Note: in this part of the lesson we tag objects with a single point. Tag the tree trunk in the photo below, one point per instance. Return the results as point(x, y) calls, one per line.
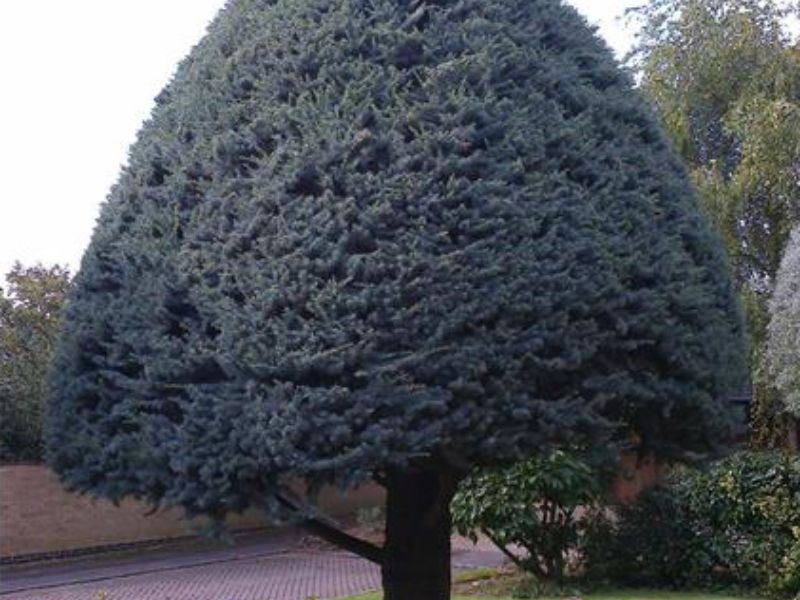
point(416, 562)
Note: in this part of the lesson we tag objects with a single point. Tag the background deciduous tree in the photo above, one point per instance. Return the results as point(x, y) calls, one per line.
point(724, 76)
point(784, 327)
point(30, 314)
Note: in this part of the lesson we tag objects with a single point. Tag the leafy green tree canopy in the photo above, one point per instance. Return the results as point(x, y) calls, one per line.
point(724, 76)
point(389, 239)
point(784, 327)
point(30, 311)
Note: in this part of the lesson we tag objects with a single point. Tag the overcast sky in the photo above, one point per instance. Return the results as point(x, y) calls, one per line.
point(78, 79)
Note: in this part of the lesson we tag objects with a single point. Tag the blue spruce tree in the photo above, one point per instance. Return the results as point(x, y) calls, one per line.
point(389, 240)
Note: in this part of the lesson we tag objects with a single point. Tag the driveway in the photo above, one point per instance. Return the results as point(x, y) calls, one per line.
point(276, 566)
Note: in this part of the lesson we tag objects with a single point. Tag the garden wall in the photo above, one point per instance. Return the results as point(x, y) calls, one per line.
point(38, 516)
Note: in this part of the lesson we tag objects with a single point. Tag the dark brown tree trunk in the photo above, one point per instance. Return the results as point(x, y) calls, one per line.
point(416, 563)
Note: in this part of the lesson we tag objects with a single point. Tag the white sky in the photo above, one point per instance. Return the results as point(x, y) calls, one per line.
point(78, 78)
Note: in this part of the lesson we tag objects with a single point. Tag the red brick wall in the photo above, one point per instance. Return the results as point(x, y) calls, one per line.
point(37, 515)
point(636, 475)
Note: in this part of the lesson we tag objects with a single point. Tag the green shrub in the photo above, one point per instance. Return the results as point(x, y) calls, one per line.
point(649, 542)
point(532, 505)
point(735, 523)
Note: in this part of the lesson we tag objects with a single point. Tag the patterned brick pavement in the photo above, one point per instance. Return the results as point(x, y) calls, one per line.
point(289, 574)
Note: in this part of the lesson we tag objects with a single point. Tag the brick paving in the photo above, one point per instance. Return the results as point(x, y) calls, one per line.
point(271, 570)
point(289, 576)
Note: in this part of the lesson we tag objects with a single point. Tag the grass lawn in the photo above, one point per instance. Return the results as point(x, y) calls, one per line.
point(495, 585)
point(623, 595)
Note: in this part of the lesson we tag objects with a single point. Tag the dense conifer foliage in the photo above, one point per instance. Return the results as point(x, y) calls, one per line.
point(389, 239)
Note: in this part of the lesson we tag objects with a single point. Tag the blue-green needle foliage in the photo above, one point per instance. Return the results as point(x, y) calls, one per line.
point(360, 234)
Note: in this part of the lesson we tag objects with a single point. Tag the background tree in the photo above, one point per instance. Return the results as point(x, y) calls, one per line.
point(30, 311)
point(784, 327)
point(371, 239)
point(725, 78)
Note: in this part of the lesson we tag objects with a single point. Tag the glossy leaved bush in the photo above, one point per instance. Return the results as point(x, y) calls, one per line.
point(535, 510)
point(368, 238)
point(734, 523)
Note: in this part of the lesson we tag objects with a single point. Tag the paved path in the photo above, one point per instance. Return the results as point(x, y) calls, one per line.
point(273, 567)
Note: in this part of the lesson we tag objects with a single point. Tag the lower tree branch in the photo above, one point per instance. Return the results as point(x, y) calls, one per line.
point(379, 478)
point(338, 537)
point(330, 533)
point(513, 557)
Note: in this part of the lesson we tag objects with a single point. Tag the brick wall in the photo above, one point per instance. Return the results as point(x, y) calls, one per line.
point(636, 475)
point(37, 515)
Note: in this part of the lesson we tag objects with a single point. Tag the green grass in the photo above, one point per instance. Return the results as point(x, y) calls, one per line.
point(475, 575)
point(498, 592)
point(622, 595)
